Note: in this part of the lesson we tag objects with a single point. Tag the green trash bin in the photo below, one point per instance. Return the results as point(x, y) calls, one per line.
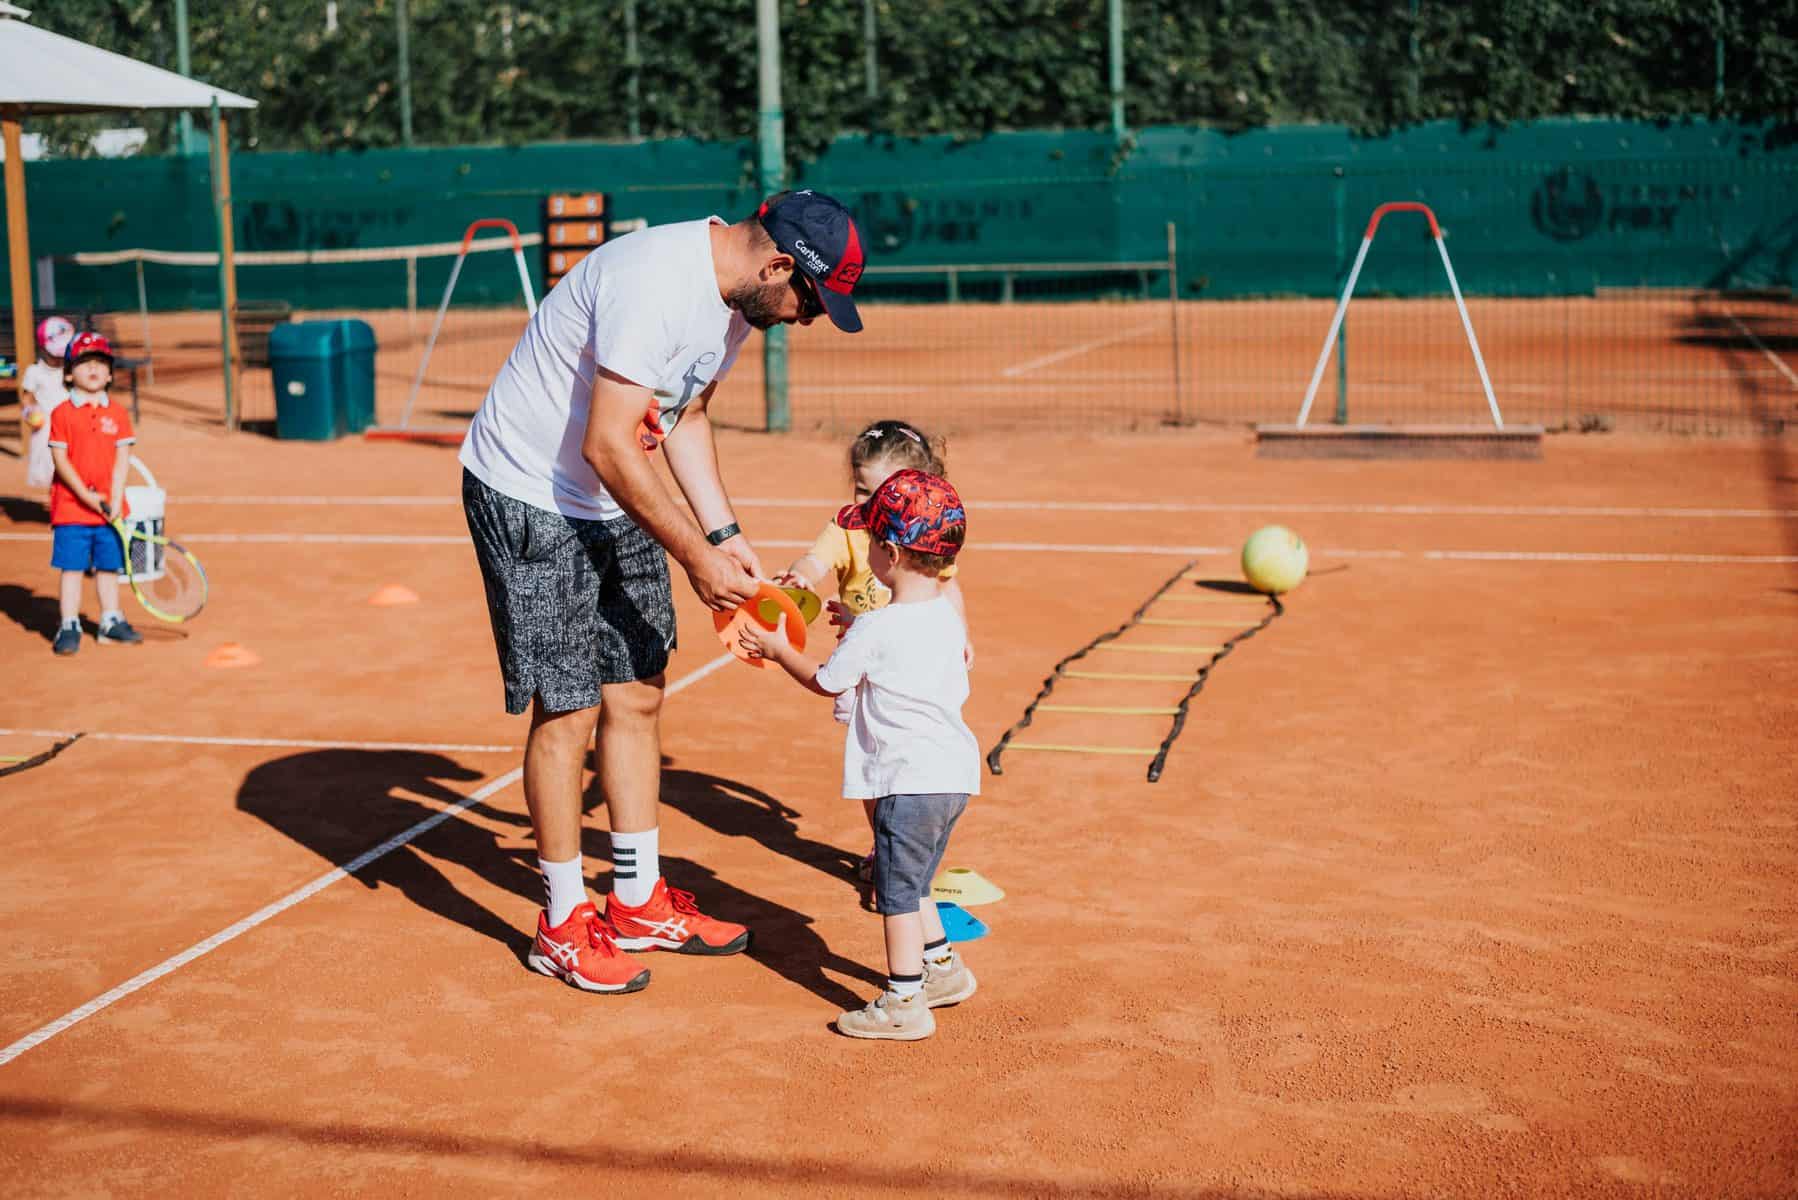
point(356, 373)
point(303, 358)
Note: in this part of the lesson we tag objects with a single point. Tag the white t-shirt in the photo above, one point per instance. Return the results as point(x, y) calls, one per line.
point(646, 307)
point(45, 382)
point(906, 735)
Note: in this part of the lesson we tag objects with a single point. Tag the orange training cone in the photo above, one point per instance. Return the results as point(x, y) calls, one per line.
point(230, 654)
point(392, 596)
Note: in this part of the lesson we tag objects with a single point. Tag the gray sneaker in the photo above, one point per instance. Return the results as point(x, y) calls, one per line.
point(950, 983)
point(68, 639)
point(118, 632)
point(891, 1019)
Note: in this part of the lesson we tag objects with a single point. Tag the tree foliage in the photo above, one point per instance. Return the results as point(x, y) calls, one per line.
point(531, 70)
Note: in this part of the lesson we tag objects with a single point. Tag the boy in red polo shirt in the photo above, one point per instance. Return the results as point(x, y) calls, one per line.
point(85, 436)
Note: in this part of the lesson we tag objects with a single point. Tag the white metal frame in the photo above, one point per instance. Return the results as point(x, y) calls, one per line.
point(1454, 286)
point(524, 280)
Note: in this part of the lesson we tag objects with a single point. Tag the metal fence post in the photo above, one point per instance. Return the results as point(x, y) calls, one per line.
point(1339, 201)
point(1173, 312)
point(773, 176)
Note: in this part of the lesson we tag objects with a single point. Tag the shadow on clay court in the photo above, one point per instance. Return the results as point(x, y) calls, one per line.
point(32, 612)
point(340, 803)
point(742, 810)
point(690, 1170)
point(22, 511)
point(784, 940)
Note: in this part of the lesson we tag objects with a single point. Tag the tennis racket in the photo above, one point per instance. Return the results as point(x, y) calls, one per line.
point(165, 576)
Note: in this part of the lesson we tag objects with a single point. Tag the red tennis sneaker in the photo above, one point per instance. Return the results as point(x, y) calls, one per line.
point(580, 952)
point(670, 920)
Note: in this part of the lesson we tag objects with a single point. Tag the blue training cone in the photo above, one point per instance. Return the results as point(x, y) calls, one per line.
point(959, 924)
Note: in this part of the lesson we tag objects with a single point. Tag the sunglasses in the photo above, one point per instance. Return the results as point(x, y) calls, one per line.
point(811, 305)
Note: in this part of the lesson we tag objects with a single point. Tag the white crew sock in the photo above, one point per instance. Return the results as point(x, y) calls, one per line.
point(636, 865)
point(566, 889)
point(905, 986)
point(109, 616)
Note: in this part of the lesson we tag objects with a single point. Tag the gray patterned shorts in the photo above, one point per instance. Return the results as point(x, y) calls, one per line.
point(574, 603)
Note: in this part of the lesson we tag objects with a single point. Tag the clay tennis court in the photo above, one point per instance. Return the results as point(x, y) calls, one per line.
point(1472, 874)
point(1647, 361)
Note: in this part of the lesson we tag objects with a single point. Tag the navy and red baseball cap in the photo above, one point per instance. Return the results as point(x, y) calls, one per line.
point(821, 237)
point(913, 509)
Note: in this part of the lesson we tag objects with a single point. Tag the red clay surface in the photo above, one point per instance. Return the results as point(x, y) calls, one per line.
point(1651, 361)
point(1469, 877)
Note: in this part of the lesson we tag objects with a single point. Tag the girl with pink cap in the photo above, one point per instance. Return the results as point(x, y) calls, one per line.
point(41, 389)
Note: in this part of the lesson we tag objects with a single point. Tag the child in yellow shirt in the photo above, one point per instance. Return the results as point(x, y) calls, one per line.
point(842, 554)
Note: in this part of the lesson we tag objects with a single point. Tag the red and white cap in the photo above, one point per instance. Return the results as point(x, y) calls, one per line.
point(84, 346)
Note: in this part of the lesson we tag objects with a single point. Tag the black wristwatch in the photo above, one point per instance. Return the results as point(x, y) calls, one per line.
point(724, 533)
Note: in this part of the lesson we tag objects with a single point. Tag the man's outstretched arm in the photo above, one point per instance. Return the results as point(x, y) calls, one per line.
point(610, 446)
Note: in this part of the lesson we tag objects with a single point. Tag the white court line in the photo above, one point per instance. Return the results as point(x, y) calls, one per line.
point(167, 966)
point(322, 501)
point(1577, 556)
point(1012, 372)
point(832, 504)
point(1325, 553)
point(1079, 548)
point(1399, 510)
point(279, 743)
point(1762, 347)
point(288, 539)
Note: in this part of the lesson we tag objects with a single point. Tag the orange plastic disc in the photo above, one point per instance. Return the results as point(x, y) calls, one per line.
point(766, 608)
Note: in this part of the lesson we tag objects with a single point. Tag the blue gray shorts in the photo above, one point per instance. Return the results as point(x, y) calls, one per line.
point(80, 547)
point(911, 834)
point(574, 604)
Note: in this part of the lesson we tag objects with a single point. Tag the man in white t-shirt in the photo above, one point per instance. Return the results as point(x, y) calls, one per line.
point(573, 530)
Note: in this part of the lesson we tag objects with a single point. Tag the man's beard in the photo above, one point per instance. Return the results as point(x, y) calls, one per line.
point(759, 303)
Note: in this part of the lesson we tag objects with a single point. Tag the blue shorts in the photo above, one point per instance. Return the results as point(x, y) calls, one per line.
point(911, 834)
point(78, 547)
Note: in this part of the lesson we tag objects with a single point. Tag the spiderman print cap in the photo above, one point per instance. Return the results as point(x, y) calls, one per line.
point(913, 509)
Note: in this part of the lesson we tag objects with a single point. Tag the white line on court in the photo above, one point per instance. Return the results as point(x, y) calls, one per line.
point(1163, 551)
point(167, 966)
point(1762, 347)
point(435, 501)
point(277, 743)
point(288, 539)
point(1578, 557)
point(1102, 506)
point(1017, 369)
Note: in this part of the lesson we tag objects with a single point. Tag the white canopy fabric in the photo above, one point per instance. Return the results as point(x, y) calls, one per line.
point(44, 72)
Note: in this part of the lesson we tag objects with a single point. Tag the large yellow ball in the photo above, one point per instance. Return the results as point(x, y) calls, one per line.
point(1274, 560)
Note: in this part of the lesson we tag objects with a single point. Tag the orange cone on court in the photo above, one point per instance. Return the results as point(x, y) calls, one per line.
point(393, 595)
point(230, 654)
